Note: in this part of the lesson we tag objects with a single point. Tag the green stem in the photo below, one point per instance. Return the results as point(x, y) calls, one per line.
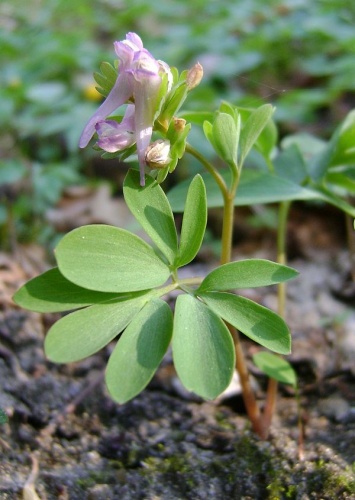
point(227, 228)
point(250, 402)
point(281, 252)
point(228, 194)
point(271, 393)
point(210, 168)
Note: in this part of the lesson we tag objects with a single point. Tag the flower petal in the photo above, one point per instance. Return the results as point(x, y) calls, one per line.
point(134, 40)
point(119, 94)
point(146, 90)
point(115, 136)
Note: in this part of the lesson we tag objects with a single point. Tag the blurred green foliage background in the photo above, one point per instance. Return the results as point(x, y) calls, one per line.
point(298, 54)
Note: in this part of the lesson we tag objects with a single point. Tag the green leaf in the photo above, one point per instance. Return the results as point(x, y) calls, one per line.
point(82, 333)
point(275, 367)
point(340, 149)
point(328, 196)
point(341, 180)
point(197, 117)
point(109, 71)
point(319, 164)
point(51, 292)
point(248, 273)
point(106, 79)
point(177, 138)
point(267, 139)
point(256, 322)
point(290, 164)
point(151, 208)
point(174, 102)
point(253, 128)
point(308, 144)
point(139, 351)
point(12, 171)
point(193, 223)
point(203, 349)
point(225, 138)
point(109, 259)
point(208, 131)
point(254, 188)
point(258, 187)
point(345, 148)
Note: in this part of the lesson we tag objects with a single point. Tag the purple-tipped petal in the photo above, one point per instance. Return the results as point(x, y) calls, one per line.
point(114, 136)
point(143, 60)
point(126, 49)
point(146, 90)
point(125, 55)
point(134, 40)
point(119, 94)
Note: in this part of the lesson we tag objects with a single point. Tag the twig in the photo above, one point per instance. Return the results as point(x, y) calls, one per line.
point(28, 490)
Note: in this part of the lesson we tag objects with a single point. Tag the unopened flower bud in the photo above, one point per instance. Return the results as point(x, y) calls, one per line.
point(157, 154)
point(194, 76)
point(179, 124)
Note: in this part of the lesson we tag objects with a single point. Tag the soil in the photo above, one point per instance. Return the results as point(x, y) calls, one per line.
point(66, 439)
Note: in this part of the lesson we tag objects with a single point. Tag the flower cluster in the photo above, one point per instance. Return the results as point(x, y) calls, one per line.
point(139, 81)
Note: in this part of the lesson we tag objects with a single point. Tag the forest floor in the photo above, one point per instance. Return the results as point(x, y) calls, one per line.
point(66, 439)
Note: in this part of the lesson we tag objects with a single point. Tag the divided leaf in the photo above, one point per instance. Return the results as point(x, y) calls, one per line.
point(151, 208)
point(82, 333)
point(52, 292)
point(268, 138)
point(139, 351)
point(225, 137)
point(254, 187)
point(338, 151)
point(250, 273)
point(193, 223)
point(109, 259)
point(203, 349)
point(253, 128)
point(275, 367)
point(290, 164)
point(106, 79)
point(256, 322)
point(328, 196)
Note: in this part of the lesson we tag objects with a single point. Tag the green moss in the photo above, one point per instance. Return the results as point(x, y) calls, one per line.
point(333, 485)
point(223, 420)
point(173, 463)
point(171, 469)
point(95, 477)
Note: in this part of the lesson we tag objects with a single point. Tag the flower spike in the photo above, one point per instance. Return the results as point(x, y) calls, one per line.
point(139, 80)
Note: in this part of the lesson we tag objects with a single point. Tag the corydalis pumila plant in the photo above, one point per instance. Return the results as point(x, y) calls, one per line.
point(114, 283)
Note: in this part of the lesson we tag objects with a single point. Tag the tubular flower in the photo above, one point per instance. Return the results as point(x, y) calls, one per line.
point(139, 80)
point(115, 136)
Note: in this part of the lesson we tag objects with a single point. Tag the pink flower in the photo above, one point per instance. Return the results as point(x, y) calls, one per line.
point(139, 80)
point(114, 136)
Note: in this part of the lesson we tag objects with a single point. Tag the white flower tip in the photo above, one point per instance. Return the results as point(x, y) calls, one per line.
point(157, 154)
point(194, 76)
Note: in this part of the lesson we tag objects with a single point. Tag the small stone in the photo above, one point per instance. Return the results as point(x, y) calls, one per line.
point(334, 407)
point(99, 492)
